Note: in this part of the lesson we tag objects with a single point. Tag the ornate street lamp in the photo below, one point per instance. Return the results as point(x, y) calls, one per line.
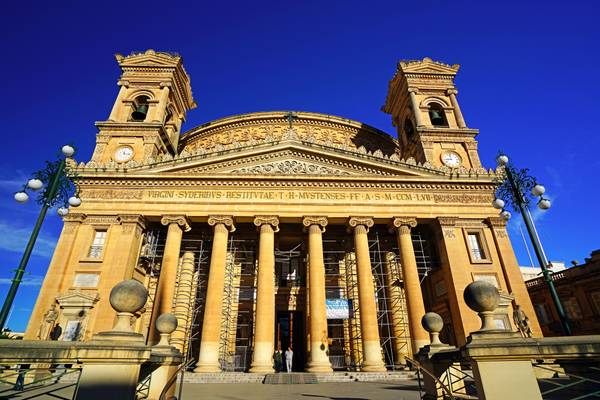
point(57, 188)
point(517, 189)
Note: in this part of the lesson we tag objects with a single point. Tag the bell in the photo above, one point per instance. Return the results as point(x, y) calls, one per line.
point(436, 117)
point(140, 112)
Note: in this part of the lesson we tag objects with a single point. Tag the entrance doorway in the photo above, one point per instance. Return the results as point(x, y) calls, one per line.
point(289, 331)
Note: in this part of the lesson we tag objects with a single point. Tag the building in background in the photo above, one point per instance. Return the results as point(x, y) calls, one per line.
point(579, 290)
point(274, 229)
point(535, 272)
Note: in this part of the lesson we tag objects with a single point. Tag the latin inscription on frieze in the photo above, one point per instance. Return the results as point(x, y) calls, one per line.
point(300, 196)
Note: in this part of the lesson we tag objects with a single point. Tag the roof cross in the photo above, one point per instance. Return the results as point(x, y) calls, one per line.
point(290, 116)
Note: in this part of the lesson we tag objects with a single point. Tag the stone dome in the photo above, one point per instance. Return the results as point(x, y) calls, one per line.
point(245, 129)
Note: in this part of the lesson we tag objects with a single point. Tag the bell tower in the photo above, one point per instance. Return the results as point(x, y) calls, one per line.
point(146, 118)
point(431, 128)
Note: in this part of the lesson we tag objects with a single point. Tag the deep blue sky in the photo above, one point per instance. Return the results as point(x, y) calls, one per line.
point(528, 82)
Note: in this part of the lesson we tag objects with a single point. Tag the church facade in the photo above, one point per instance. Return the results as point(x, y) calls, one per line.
point(282, 229)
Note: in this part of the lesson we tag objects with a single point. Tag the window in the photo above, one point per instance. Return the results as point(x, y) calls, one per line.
point(98, 244)
point(572, 308)
point(437, 116)
point(478, 251)
point(475, 246)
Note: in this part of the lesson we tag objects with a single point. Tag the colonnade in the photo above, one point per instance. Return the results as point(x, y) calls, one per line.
point(264, 336)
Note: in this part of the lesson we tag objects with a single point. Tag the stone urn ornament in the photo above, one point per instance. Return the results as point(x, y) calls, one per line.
point(483, 297)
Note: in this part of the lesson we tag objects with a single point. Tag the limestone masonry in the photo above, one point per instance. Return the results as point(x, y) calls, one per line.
point(277, 230)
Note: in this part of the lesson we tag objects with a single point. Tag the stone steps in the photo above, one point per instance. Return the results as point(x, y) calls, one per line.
point(297, 377)
point(290, 379)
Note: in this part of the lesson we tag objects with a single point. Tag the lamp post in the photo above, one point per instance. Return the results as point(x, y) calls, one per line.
point(516, 189)
point(59, 189)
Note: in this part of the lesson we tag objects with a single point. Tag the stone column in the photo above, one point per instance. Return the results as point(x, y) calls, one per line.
point(415, 106)
point(395, 301)
point(412, 284)
point(114, 113)
point(264, 335)
point(372, 359)
point(319, 358)
point(165, 291)
point(161, 107)
point(457, 113)
point(183, 301)
point(208, 360)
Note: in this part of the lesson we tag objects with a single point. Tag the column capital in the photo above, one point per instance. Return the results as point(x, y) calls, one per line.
point(451, 91)
point(496, 222)
point(447, 221)
point(448, 224)
point(226, 220)
point(180, 220)
point(74, 217)
point(132, 219)
point(272, 220)
point(307, 221)
point(398, 222)
point(367, 222)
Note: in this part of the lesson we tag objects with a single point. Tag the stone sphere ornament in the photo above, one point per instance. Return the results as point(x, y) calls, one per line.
point(165, 325)
point(126, 298)
point(433, 323)
point(483, 297)
point(21, 197)
point(35, 184)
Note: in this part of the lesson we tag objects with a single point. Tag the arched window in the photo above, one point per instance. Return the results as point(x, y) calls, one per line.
point(437, 115)
point(140, 105)
point(409, 129)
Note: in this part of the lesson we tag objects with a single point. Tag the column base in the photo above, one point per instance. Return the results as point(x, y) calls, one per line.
point(207, 369)
point(261, 369)
point(373, 368)
point(319, 368)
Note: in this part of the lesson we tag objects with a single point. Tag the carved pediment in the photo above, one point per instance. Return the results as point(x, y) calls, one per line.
point(290, 158)
point(427, 66)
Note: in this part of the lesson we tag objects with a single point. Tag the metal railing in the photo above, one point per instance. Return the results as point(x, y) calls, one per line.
point(446, 392)
point(567, 385)
point(57, 382)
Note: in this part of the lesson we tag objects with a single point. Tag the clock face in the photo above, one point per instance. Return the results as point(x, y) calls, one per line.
point(123, 154)
point(451, 159)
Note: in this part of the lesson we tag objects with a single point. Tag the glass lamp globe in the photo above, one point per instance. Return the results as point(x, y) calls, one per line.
point(21, 197)
point(506, 214)
point(498, 204)
point(35, 184)
point(62, 211)
point(67, 150)
point(74, 201)
point(538, 190)
point(502, 159)
point(544, 204)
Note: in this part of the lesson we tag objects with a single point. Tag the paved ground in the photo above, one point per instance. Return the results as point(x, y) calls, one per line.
point(407, 390)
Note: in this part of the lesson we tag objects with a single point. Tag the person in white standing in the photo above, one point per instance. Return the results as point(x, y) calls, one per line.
point(289, 355)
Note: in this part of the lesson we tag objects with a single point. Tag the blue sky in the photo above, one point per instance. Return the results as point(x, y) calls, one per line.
point(527, 81)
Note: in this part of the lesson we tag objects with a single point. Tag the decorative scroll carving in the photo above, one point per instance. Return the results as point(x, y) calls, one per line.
point(367, 222)
point(180, 220)
point(226, 220)
point(290, 167)
point(272, 220)
point(315, 220)
point(448, 224)
point(74, 217)
point(404, 224)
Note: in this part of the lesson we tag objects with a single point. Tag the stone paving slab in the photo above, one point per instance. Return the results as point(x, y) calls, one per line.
point(407, 390)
